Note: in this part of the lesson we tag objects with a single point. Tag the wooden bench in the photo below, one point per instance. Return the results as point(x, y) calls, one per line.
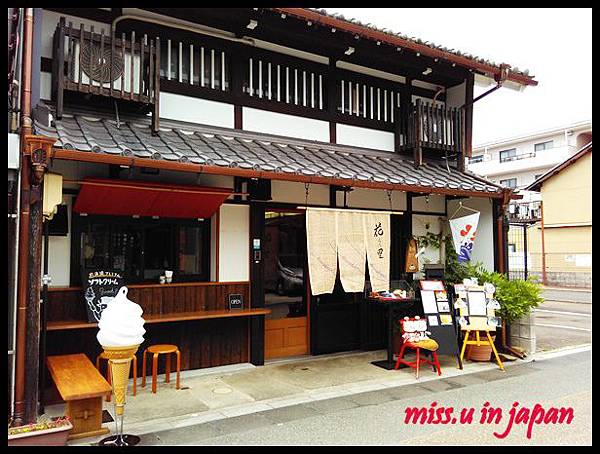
point(83, 389)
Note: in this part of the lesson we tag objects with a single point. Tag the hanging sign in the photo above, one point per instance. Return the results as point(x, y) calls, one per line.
point(99, 287)
point(464, 230)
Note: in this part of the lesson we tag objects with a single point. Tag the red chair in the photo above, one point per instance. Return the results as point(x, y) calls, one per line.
point(417, 347)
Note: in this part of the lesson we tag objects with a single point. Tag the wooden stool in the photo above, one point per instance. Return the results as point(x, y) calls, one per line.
point(108, 374)
point(157, 350)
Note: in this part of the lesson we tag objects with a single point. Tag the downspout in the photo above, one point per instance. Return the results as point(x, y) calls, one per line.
point(24, 220)
point(544, 276)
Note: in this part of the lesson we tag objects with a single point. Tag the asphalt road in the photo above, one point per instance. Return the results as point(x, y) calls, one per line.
point(559, 324)
point(378, 417)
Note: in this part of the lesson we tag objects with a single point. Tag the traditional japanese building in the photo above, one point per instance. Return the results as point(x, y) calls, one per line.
point(193, 141)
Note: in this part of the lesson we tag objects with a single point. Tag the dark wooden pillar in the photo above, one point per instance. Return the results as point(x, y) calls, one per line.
point(332, 99)
point(468, 122)
point(237, 85)
point(407, 229)
point(257, 293)
point(36, 154)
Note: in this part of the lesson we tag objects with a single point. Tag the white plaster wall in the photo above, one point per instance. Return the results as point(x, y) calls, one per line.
point(419, 226)
point(196, 110)
point(45, 86)
point(59, 258)
point(364, 137)
point(234, 247)
point(292, 192)
point(373, 198)
point(483, 248)
point(455, 96)
point(50, 20)
point(284, 125)
point(433, 203)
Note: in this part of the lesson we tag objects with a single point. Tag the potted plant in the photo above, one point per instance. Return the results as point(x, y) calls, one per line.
point(45, 432)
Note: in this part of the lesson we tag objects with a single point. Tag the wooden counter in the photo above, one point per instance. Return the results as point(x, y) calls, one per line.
point(165, 318)
point(210, 335)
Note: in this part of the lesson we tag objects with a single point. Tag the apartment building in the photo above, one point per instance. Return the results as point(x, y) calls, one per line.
point(516, 162)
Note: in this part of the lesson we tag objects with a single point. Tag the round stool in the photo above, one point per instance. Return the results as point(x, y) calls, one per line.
point(108, 374)
point(157, 350)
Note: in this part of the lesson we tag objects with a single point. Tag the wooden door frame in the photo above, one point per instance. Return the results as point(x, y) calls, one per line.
point(292, 208)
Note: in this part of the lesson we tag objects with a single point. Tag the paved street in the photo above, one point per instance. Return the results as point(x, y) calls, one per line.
point(560, 324)
point(569, 295)
point(377, 417)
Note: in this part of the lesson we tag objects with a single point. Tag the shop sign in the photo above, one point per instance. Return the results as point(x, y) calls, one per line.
point(100, 286)
point(236, 301)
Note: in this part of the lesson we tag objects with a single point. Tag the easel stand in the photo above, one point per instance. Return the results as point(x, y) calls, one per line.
point(479, 342)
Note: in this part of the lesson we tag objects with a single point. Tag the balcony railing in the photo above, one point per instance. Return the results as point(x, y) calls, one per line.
point(126, 68)
point(518, 157)
point(432, 126)
point(525, 211)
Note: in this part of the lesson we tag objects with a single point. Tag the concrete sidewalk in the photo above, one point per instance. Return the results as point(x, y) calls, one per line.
point(232, 391)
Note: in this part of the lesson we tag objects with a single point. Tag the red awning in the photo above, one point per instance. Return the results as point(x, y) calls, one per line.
point(128, 198)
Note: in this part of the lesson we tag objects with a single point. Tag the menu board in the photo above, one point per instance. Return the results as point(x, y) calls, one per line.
point(477, 307)
point(99, 287)
point(440, 316)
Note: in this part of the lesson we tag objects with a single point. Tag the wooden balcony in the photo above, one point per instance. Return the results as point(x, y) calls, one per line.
point(525, 212)
point(432, 127)
point(125, 68)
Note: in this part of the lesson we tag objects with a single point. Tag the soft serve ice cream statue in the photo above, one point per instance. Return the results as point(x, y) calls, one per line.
point(121, 331)
point(121, 323)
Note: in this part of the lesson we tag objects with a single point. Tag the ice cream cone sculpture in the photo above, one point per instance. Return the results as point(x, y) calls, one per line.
point(121, 332)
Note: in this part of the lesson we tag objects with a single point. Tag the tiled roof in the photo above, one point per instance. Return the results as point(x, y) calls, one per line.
point(212, 146)
point(522, 73)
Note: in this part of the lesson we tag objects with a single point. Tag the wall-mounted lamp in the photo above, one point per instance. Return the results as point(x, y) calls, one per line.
point(349, 51)
point(252, 24)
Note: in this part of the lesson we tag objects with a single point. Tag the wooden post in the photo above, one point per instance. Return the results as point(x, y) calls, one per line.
point(418, 152)
point(332, 99)
point(36, 152)
point(156, 111)
point(544, 276)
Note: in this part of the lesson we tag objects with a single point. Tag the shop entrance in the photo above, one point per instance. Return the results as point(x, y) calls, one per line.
point(285, 286)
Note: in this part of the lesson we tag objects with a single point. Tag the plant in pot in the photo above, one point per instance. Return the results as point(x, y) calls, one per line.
point(45, 432)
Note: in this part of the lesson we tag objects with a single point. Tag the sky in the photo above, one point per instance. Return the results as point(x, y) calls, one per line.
point(555, 45)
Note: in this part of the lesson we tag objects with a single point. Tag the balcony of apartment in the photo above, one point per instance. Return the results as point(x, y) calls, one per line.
point(133, 69)
point(519, 162)
point(525, 212)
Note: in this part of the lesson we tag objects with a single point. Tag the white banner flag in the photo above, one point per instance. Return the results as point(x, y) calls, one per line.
point(377, 241)
point(321, 248)
point(464, 230)
point(351, 250)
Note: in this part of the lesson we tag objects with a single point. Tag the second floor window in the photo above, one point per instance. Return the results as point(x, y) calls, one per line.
point(476, 159)
point(544, 145)
point(508, 155)
point(509, 183)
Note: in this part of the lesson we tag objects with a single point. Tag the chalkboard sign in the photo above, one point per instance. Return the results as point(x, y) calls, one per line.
point(439, 312)
point(236, 301)
point(99, 287)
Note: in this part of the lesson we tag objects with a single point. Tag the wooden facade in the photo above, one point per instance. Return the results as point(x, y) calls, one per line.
point(218, 338)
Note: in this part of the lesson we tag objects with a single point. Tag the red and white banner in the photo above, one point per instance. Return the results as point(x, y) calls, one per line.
point(464, 231)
